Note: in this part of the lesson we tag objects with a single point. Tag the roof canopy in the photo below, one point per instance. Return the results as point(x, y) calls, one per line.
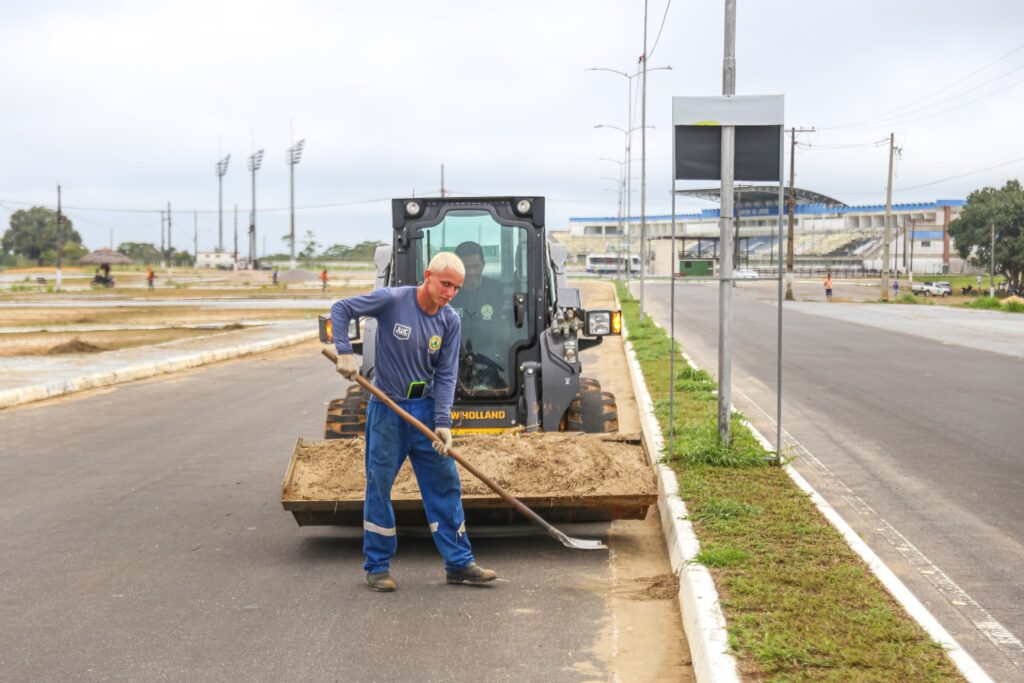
point(762, 195)
point(107, 256)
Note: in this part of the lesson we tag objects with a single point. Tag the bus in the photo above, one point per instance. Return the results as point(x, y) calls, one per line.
point(612, 263)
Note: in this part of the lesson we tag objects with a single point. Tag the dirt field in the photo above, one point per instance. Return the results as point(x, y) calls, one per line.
point(55, 343)
point(139, 315)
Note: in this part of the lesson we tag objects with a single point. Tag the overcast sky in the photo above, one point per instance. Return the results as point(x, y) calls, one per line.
point(129, 105)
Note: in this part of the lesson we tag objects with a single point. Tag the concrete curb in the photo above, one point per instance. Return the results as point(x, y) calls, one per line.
point(21, 395)
point(703, 621)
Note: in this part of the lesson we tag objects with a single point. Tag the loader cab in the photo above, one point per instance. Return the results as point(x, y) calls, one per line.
point(495, 244)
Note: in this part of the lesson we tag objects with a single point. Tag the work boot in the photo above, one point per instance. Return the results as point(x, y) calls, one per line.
point(380, 582)
point(471, 574)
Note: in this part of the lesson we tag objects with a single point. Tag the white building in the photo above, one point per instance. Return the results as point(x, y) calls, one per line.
point(224, 260)
point(827, 234)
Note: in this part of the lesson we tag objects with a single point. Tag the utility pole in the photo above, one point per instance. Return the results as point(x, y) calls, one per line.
point(195, 239)
point(162, 229)
point(791, 206)
point(170, 249)
point(725, 237)
point(888, 222)
point(643, 168)
point(60, 240)
point(236, 237)
point(992, 261)
point(442, 180)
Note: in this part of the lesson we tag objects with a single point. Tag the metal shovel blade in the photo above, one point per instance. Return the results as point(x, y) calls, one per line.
point(576, 543)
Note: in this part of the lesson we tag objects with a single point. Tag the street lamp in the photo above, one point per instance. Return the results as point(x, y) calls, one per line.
point(255, 161)
point(222, 168)
point(292, 157)
point(629, 122)
point(627, 134)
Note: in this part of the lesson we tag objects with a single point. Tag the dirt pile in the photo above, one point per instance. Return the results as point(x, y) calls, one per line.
point(561, 465)
point(76, 345)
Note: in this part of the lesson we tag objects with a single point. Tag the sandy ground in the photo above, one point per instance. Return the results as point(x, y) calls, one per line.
point(644, 640)
point(50, 316)
point(52, 343)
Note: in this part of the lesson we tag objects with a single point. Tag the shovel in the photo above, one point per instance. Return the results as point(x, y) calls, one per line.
point(567, 541)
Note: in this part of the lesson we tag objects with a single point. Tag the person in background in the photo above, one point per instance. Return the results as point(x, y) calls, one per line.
point(895, 288)
point(275, 277)
point(150, 276)
point(828, 286)
point(417, 357)
point(323, 278)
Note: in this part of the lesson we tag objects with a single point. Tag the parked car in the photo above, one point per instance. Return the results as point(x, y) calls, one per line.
point(929, 289)
point(946, 286)
point(745, 274)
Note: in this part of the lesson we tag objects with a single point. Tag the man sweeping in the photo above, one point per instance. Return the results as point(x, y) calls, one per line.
point(417, 348)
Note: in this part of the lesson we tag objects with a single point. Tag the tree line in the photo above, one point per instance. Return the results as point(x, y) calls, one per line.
point(32, 235)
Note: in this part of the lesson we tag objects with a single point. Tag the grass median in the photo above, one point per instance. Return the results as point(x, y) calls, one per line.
point(800, 605)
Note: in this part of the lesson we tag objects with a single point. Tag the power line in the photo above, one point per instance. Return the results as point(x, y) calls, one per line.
point(886, 122)
point(962, 175)
point(185, 210)
point(663, 17)
point(930, 95)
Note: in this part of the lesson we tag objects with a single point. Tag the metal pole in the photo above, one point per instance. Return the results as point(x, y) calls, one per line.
point(725, 236)
point(252, 221)
point(170, 249)
point(992, 262)
point(643, 169)
point(888, 225)
point(913, 224)
point(236, 237)
point(629, 173)
point(291, 166)
point(778, 343)
point(60, 241)
point(195, 239)
point(673, 266)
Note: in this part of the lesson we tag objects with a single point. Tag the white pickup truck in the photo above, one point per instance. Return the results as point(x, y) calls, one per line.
point(929, 289)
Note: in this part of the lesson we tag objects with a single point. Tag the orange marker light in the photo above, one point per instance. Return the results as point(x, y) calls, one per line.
point(616, 322)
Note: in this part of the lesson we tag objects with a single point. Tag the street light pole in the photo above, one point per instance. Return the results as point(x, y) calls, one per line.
point(725, 237)
point(643, 168)
point(293, 157)
point(222, 168)
point(60, 240)
point(255, 161)
point(629, 123)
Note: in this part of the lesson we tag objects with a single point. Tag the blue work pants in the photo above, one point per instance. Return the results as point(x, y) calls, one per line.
point(389, 440)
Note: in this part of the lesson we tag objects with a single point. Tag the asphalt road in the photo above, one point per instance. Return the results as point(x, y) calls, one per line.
point(142, 538)
point(916, 442)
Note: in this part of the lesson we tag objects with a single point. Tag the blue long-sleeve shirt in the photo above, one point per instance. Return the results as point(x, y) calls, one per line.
point(412, 346)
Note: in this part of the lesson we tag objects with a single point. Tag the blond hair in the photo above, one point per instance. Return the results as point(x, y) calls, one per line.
point(446, 260)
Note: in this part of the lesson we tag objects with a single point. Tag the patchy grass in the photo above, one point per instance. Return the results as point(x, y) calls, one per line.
point(800, 605)
point(984, 303)
point(996, 304)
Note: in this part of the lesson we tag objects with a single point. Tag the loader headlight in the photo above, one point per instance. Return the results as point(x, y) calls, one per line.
point(598, 323)
point(412, 209)
point(523, 207)
point(353, 329)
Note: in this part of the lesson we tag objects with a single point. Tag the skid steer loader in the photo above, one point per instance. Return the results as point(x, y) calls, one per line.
point(523, 329)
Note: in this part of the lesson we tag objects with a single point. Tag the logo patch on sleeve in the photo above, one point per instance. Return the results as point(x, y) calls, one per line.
point(402, 331)
point(434, 344)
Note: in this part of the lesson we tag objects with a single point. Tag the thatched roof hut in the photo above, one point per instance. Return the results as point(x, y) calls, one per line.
point(107, 256)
